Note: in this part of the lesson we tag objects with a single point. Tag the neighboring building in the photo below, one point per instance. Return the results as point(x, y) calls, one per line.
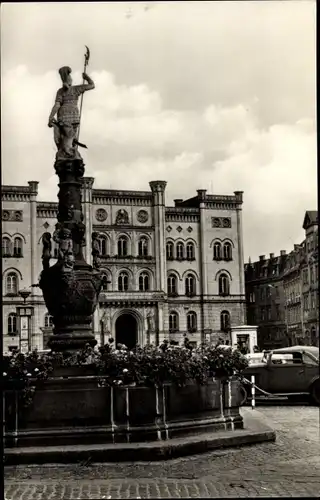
point(171, 270)
point(310, 278)
point(282, 293)
point(265, 299)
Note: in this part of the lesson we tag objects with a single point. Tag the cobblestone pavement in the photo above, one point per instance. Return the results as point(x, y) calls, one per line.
point(288, 467)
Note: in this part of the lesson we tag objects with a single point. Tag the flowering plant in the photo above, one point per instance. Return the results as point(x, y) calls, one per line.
point(118, 366)
point(25, 372)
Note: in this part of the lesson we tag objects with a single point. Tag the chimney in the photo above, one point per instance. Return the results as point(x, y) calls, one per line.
point(177, 201)
point(282, 253)
point(272, 256)
point(262, 258)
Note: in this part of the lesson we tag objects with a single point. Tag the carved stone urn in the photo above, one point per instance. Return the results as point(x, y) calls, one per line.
point(70, 287)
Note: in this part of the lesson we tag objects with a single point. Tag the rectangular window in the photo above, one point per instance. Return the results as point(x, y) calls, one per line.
point(268, 313)
point(311, 275)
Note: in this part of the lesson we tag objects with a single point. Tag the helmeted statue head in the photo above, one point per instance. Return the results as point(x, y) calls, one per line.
point(65, 74)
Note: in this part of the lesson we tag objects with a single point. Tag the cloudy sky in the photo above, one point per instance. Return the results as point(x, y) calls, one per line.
point(213, 95)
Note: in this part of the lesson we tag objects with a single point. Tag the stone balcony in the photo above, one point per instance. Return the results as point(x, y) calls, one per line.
point(133, 298)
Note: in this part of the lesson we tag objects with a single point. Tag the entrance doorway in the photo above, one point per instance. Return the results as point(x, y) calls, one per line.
point(127, 330)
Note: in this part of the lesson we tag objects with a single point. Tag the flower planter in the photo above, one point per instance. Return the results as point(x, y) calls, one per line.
point(74, 371)
point(77, 410)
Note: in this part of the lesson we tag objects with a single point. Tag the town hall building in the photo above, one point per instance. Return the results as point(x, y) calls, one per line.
point(170, 271)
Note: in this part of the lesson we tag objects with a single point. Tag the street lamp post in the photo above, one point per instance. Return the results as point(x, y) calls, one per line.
point(24, 313)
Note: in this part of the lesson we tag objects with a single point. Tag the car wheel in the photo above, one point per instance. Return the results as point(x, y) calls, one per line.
point(243, 395)
point(315, 392)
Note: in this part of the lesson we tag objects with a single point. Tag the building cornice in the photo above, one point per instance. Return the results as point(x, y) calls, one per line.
point(120, 227)
point(47, 209)
point(182, 214)
point(115, 197)
point(15, 193)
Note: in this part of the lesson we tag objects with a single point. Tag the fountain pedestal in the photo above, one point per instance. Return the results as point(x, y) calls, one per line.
point(71, 287)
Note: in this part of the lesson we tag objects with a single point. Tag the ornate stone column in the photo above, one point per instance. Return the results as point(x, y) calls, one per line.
point(71, 287)
point(87, 210)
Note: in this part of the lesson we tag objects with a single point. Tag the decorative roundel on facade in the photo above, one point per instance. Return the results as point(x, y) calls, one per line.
point(18, 215)
point(5, 215)
point(227, 222)
point(101, 214)
point(142, 216)
point(216, 222)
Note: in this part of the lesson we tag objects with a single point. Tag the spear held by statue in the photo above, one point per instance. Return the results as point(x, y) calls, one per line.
point(86, 62)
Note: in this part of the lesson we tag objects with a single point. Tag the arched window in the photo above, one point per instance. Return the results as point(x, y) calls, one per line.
point(227, 251)
point(48, 321)
point(191, 321)
point(225, 321)
point(122, 246)
point(217, 251)
point(17, 247)
point(190, 284)
point(180, 251)
point(190, 251)
point(224, 285)
point(144, 282)
point(12, 324)
point(172, 285)
point(169, 248)
point(105, 283)
point(123, 282)
point(103, 245)
point(12, 284)
point(143, 247)
point(173, 322)
point(6, 247)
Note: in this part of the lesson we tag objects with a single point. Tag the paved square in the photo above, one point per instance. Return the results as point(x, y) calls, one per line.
point(288, 467)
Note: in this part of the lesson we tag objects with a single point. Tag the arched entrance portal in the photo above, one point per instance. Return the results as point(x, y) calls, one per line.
point(127, 330)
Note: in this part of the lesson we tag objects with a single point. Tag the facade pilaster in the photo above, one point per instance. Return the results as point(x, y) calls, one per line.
point(203, 258)
point(33, 187)
point(158, 192)
point(239, 198)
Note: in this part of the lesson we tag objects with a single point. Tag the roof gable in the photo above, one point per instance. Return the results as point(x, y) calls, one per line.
point(310, 218)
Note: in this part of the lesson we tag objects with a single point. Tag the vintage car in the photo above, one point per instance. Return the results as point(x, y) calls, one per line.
point(289, 371)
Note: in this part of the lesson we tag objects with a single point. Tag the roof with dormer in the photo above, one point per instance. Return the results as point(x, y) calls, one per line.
point(310, 218)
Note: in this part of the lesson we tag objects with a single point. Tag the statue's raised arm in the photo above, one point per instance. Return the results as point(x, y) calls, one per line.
point(66, 110)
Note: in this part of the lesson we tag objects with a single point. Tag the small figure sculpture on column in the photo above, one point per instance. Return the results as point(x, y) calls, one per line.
point(65, 256)
point(46, 251)
point(95, 251)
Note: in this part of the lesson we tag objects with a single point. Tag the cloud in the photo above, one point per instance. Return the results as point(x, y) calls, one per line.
point(221, 99)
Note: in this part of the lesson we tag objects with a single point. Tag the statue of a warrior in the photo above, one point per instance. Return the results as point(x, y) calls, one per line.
point(68, 116)
point(46, 251)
